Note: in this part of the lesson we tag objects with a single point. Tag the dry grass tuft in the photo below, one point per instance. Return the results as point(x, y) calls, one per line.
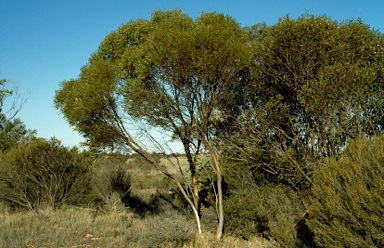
point(208, 240)
point(68, 227)
point(78, 227)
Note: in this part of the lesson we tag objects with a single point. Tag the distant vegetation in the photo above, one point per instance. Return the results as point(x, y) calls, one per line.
point(281, 127)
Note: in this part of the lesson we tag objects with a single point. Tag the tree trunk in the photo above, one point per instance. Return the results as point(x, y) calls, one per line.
point(197, 217)
point(195, 188)
point(192, 169)
point(220, 225)
point(219, 177)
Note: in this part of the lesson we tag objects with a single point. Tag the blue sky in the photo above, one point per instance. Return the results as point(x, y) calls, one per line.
point(44, 42)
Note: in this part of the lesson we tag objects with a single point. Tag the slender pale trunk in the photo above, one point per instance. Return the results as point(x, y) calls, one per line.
point(196, 213)
point(219, 177)
point(220, 225)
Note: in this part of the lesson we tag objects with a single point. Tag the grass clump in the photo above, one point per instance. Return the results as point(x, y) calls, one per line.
point(77, 227)
point(111, 179)
point(208, 240)
point(168, 229)
point(66, 227)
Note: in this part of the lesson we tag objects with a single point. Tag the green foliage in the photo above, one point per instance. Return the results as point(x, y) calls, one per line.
point(347, 198)
point(42, 173)
point(89, 105)
point(12, 130)
point(4, 93)
point(264, 167)
point(271, 211)
point(169, 71)
point(317, 84)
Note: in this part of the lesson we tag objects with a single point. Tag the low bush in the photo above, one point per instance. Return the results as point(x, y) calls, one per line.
point(170, 229)
point(271, 211)
point(42, 173)
point(346, 202)
point(112, 183)
point(109, 178)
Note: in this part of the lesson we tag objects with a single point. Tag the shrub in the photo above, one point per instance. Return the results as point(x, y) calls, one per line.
point(110, 178)
point(112, 183)
point(170, 229)
point(42, 173)
point(346, 203)
point(270, 211)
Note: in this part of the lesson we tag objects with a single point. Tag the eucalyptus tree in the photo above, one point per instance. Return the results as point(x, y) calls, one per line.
point(12, 129)
point(318, 84)
point(172, 72)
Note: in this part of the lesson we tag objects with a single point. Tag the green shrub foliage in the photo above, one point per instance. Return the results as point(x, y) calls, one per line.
point(318, 83)
point(271, 211)
point(347, 199)
point(42, 173)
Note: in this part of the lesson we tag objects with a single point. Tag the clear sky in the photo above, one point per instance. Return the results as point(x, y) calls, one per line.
point(44, 42)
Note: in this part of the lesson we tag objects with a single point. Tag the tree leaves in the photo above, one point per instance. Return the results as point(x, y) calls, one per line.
point(316, 84)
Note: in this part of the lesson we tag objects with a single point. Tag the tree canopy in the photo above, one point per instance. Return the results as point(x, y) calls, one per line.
point(316, 84)
point(12, 129)
point(172, 72)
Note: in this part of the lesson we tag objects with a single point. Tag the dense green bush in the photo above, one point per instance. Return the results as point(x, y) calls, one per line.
point(271, 211)
point(42, 173)
point(347, 199)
